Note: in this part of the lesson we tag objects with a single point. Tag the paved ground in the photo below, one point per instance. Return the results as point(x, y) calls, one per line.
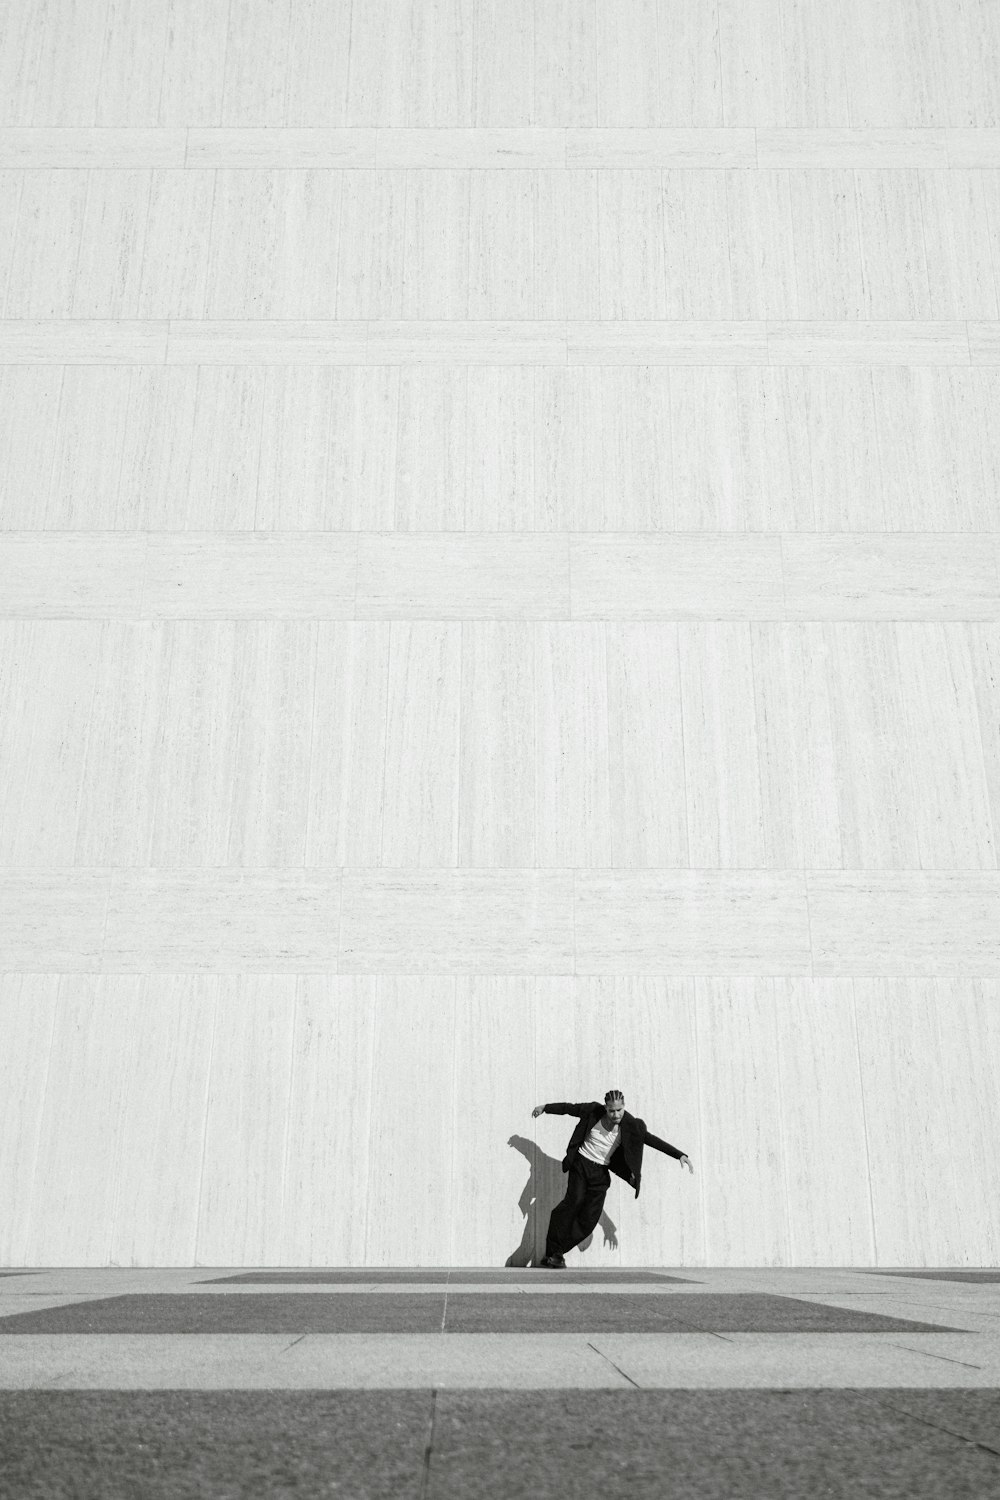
point(451, 1383)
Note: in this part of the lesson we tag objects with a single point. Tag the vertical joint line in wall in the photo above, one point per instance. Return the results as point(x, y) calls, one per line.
point(729, 253)
point(789, 1237)
point(781, 574)
point(208, 1104)
point(608, 720)
point(456, 826)
point(454, 1129)
point(117, 1145)
point(13, 245)
point(385, 745)
point(756, 151)
point(865, 299)
point(571, 612)
point(142, 261)
point(468, 288)
point(159, 92)
point(878, 443)
point(105, 626)
point(809, 928)
point(923, 243)
point(340, 917)
point(531, 1216)
point(347, 78)
point(307, 832)
point(572, 908)
point(55, 446)
point(372, 1010)
point(701, 1126)
point(286, 1144)
point(74, 287)
point(532, 375)
point(113, 875)
point(680, 715)
point(761, 800)
point(992, 802)
point(864, 1122)
point(211, 236)
point(29, 1216)
point(718, 63)
point(289, 4)
point(598, 176)
point(993, 266)
point(260, 445)
point(225, 63)
point(132, 374)
point(144, 574)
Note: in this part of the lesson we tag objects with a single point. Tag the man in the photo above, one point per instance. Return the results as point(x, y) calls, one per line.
point(607, 1139)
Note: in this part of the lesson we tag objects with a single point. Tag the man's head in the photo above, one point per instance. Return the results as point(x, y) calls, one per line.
point(614, 1105)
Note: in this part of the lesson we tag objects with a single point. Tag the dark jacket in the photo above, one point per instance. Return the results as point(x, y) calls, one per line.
point(626, 1159)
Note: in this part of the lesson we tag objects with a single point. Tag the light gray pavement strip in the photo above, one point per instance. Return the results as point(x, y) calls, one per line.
point(787, 1281)
point(141, 1362)
point(10, 1306)
point(498, 1361)
point(797, 1360)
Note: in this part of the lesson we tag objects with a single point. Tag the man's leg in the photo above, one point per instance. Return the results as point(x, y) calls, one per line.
point(590, 1210)
point(577, 1215)
point(561, 1234)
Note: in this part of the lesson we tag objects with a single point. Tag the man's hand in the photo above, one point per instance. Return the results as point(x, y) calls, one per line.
point(686, 1162)
point(539, 1109)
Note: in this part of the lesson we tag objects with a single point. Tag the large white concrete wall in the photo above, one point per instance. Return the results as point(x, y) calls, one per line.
point(499, 598)
point(272, 1119)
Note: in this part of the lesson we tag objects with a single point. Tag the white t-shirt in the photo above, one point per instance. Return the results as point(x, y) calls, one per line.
point(600, 1143)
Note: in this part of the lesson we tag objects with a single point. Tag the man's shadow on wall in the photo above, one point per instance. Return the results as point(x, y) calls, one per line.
point(545, 1187)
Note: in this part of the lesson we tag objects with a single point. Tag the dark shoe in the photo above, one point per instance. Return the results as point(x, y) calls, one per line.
point(553, 1263)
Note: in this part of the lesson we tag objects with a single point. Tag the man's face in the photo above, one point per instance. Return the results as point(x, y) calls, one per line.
point(614, 1109)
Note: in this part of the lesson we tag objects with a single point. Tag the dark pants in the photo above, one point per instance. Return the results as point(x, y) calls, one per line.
point(576, 1216)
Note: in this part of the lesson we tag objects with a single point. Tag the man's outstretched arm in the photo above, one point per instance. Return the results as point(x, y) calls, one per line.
point(559, 1109)
point(668, 1150)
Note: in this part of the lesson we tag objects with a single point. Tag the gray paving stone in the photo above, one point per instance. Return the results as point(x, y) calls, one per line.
point(226, 1445)
point(974, 1415)
point(686, 1445)
point(472, 1312)
point(702, 1312)
point(986, 1277)
point(200, 1312)
point(471, 1276)
point(676, 1445)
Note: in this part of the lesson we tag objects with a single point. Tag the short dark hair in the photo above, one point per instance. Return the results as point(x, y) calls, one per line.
point(612, 1095)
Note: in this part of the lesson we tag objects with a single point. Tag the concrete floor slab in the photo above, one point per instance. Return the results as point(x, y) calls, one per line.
point(765, 1361)
point(179, 1445)
point(472, 1276)
point(495, 1361)
point(681, 1445)
point(782, 1445)
point(979, 1278)
point(401, 1312)
point(893, 1444)
point(184, 1313)
point(141, 1361)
